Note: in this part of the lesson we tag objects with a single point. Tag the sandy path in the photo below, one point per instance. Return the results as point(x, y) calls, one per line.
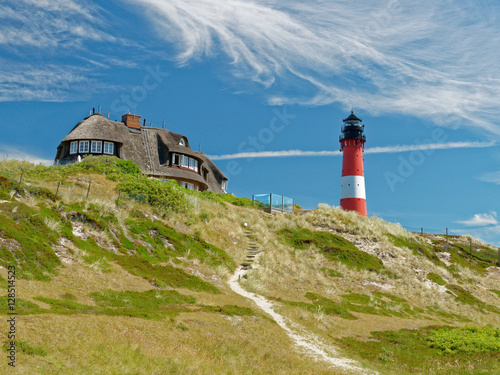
point(310, 343)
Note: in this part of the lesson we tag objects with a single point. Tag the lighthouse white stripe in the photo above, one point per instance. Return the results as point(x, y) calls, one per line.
point(352, 187)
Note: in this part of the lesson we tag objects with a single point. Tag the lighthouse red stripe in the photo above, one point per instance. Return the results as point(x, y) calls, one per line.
point(352, 161)
point(354, 204)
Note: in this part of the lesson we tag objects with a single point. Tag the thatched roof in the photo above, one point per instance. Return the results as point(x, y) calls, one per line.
point(150, 148)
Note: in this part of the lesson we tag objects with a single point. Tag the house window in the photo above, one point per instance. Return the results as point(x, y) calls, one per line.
point(109, 148)
point(96, 147)
point(182, 142)
point(175, 159)
point(73, 148)
point(188, 185)
point(193, 164)
point(184, 161)
point(84, 147)
point(224, 186)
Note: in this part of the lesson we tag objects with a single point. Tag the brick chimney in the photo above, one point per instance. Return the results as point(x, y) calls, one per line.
point(132, 121)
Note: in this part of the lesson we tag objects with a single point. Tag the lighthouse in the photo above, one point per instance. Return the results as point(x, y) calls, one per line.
point(352, 185)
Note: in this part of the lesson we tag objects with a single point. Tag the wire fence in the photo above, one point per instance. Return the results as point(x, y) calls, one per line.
point(425, 230)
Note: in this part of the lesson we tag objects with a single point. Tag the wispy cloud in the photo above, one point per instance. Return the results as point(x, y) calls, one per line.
point(371, 150)
point(425, 58)
point(12, 153)
point(493, 177)
point(481, 220)
point(47, 47)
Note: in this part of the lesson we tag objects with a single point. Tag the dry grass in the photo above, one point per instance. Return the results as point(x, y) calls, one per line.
point(207, 344)
point(213, 344)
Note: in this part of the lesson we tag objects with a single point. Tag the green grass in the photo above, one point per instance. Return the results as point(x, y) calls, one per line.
point(190, 246)
point(434, 277)
point(65, 307)
point(165, 275)
point(31, 252)
point(378, 303)
point(229, 310)
point(27, 348)
point(477, 261)
point(147, 300)
point(418, 248)
point(497, 292)
point(333, 247)
point(465, 297)
point(413, 352)
point(466, 339)
point(331, 273)
point(22, 307)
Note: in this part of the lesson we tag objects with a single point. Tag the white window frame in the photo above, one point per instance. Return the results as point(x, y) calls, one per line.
point(98, 147)
point(174, 156)
point(224, 186)
point(182, 142)
point(73, 147)
point(184, 161)
point(84, 147)
point(107, 146)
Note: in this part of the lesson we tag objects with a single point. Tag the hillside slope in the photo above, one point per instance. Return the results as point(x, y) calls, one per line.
point(120, 274)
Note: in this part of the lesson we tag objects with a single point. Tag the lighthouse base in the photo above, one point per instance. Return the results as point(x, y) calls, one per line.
point(354, 204)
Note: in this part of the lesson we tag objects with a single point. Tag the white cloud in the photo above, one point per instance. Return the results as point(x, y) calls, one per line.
point(45, 49)
point(481, 220)
point(493, 177)
point(49, 24)
point(12, 153)
point(431, 58)
point(370, 150)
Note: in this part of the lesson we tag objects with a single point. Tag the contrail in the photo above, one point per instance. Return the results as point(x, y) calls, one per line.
point(370, 150)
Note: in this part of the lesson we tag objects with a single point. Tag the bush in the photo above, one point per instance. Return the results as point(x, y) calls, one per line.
point(466, 339)
point(165, 195)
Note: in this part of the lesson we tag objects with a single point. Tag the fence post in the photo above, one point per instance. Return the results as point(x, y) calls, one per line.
point(282, 204)
point(253, 200)
point(470, 246)
point(58, 184)
point(21, 178)
point(88, 191)
point(422, 231)
point(271, 201)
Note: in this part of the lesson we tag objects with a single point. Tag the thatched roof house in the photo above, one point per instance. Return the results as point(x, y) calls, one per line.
point(158, 152)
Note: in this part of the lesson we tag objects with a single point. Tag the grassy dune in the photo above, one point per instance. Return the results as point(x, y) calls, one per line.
point(122, 283)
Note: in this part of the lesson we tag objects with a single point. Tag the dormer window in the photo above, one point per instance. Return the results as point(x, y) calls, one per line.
point(182, 142)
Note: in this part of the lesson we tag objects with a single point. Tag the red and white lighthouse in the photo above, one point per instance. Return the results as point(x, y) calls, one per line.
point(352, 186)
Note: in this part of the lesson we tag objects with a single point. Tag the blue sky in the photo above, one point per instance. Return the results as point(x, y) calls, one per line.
point(263, 86)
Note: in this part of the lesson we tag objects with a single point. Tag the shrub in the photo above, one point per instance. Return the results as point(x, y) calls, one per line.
point(466, 339)
point(165, 195)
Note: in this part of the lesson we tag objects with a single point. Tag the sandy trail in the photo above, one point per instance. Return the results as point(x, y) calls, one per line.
point(310, 343)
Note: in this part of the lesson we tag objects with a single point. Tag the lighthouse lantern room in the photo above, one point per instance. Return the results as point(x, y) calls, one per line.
point(352, 186)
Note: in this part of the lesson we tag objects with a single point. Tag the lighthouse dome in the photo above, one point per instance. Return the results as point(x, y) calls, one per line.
point(352, 119)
